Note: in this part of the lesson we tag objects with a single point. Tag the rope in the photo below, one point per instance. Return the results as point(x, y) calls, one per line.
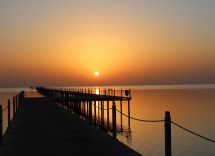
point(139, 119)
point(192, 132)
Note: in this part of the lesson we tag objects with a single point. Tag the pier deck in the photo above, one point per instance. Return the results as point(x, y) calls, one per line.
point(42, 127)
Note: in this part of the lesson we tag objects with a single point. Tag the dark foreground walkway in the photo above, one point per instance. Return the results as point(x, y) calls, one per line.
point(41, 127)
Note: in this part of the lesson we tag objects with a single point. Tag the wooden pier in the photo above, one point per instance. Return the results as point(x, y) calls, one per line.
point(42, 127)
point(92, 105)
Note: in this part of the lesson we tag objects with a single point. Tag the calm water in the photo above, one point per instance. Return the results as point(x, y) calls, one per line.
point(191, 106)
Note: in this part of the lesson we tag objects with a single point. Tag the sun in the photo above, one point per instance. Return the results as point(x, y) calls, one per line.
point(97, 74)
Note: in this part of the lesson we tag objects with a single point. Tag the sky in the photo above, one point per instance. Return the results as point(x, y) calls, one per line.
point(130, 42)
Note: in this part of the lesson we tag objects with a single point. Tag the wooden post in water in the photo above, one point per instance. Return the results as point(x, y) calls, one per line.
point(168, 148)
point(102, 114)
point(90, 110)
point(8, 112)
point(99, 118)
point(14, 107)
point(121, 115)
point(114, 119)
point(129, 125)
point(17, 101)
point(121, 112)
point(87, 109)
point(95, 112)
point(1, 122)
point(108, 122)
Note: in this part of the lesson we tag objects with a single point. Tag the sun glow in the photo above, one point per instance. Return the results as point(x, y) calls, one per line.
point(96, 74)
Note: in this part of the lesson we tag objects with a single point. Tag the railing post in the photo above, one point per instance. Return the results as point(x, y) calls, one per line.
point(1, 122)
point(8, 112)
point(168, 148)
point(114, 119)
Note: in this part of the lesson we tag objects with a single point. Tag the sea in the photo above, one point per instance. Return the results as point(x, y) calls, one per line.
point(190, 106)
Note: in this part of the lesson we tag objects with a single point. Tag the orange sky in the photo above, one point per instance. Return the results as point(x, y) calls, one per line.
point(138, 42)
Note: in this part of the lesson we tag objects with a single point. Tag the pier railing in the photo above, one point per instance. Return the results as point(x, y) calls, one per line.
point(83, 104)
point(16, 102)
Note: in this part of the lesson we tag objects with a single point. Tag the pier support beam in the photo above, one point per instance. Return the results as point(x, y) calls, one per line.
point(108, 121)
point(121, 116)
point(90, 110)
point(129, 124)
point(1, 122)
point(14, 109)
point(8, 112)
point(114, 119)
point(95, 112)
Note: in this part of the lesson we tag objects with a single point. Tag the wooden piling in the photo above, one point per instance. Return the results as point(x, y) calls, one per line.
point(108, 121)
point(90, 110)
point(95, 112)
point(14, 107)
point(8, 112)
point(1, 122)
point(114, 120)
point(102, 114)
point(121, 115)
point(129, 123)
point(17, 101)
point(168, 148)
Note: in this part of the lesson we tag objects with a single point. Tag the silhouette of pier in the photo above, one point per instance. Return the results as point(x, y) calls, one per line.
point(42, 127)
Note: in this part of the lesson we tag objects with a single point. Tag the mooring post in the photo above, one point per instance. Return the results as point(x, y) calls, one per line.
point(8, 112)
point(168, 148)
point(114, 119)
point(1, 122)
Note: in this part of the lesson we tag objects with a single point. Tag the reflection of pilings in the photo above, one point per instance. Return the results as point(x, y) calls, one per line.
point(95, 112)
point(82, 108)
point(121, 115)
point(98, 113)
point(108, 122)
point(129, 125)
point(87, 109)
point(102, 114)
